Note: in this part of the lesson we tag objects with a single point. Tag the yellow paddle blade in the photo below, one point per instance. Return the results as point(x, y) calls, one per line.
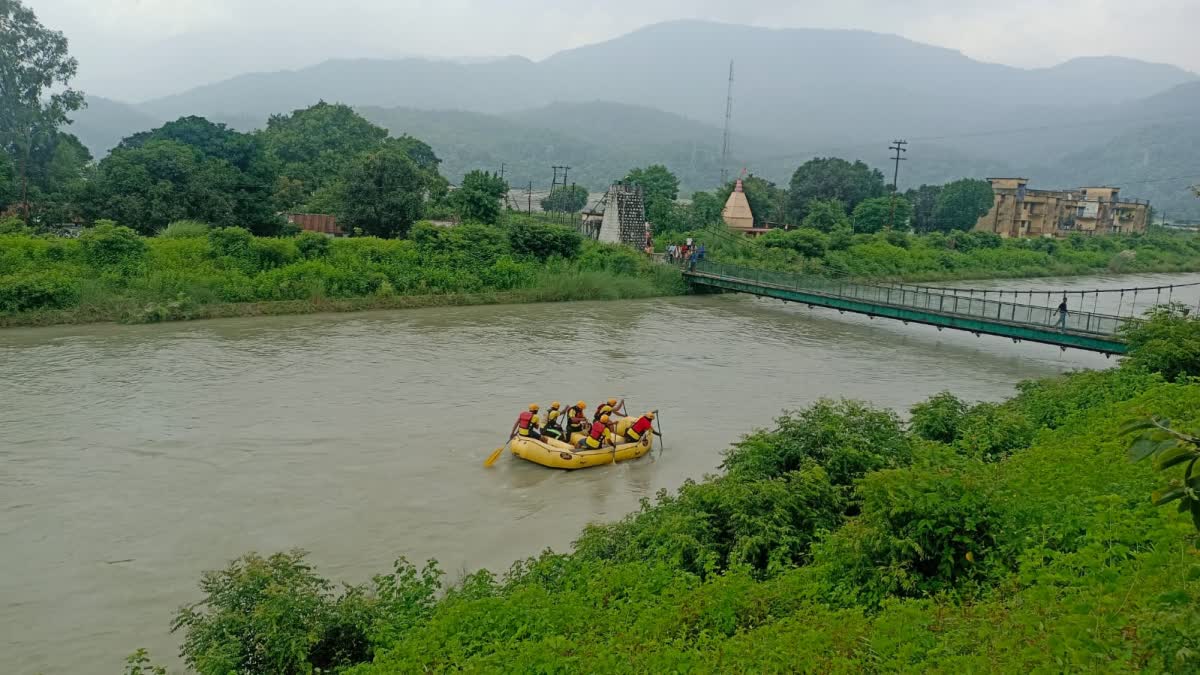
point(493, 457)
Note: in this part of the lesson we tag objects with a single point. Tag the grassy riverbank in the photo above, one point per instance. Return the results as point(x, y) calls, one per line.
point(903, 256)
point(111, 274)
point(1009, 537)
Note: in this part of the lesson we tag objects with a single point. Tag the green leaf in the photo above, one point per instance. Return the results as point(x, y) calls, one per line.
point(1146, 446)
point(1161, 497)
point(1136, 425)
point(1196, 513)
point(1170, 456)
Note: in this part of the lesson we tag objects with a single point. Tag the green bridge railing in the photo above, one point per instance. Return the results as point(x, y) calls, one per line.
point(1035, 317)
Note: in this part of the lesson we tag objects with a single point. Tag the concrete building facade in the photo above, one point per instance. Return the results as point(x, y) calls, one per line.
point(1021, 212)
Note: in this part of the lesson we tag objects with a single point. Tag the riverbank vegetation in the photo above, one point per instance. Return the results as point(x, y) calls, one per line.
point(192, 271)
point(998, 537)
point(907, 256)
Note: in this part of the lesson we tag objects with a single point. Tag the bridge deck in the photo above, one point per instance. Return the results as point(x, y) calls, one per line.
point(1083, 330)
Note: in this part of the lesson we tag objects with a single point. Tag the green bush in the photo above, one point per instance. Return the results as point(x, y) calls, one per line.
point(544, 241)
point(108, 246)
point(312, 245)
point(185, 229)
point(990, 431)
point(939, 418)
point(1166, 342)
point(847, 438)
point(37, 290)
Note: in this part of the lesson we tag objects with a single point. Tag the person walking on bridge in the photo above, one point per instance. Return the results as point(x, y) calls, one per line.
point(1062, 314)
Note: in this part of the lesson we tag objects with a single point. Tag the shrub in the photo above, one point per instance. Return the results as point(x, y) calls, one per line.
point(231, 242)
point(920, 532)
point(1166, 342)
point(808, 242)
point(544, 241)
point(185, 229)
point(108, 246)
point(37, 290)
point(847, 438)
point(312, 245)
point(938, 418)
point(990, 431)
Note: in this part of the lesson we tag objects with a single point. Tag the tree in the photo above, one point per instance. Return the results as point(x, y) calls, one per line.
point(768, 203)
point(826, 215)
point(315, 145)
point(382, 193)
point(874, 215)
point(566, 199)
point(479, 196)
point(161, 181)
point(832, 178)
point(35, 97)
point(962, 203)
point(924, 201)
point(659, 185)
point(254, 189)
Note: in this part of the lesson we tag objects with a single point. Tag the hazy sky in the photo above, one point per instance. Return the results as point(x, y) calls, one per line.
point(134, 49)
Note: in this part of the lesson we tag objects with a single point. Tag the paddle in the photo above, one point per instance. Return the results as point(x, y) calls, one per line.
point(658, 422)
point(495, 455)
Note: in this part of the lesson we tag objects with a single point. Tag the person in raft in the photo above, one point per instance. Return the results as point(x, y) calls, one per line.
point(598, 435)
point(617, 408)
point(527, 424)
point(637, 431)
point(576, 419)
point(553, 427)
point(601, 410)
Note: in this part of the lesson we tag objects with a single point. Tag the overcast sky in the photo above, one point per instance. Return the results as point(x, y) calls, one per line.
point(135, 49)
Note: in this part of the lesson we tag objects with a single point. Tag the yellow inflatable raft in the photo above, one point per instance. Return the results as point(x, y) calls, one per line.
point(558, 455)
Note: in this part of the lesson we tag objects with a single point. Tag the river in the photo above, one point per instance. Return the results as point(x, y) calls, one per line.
point(132, 458)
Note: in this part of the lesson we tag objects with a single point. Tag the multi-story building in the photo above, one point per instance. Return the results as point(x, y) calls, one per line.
point(1021, 212)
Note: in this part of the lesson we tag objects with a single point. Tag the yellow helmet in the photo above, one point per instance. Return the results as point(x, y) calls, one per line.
point(581, 405)
point(604, 419)
point(533, 407)
point(612, 401)
point(649, 415)
point(555, 406)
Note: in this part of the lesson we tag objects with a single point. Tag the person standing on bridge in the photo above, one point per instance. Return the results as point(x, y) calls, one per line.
point(1062, 314)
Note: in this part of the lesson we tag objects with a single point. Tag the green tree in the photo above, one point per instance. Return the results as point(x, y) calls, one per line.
point(479, 197)
point(382, 193)
point(875, 214)
point(315, 145)
point(566, 199)
point(768, 203)
point(659, 186)
point(961, 204)
point(255, 175)
point(161, 181)
point(35, 96)
point(826, 215)
point(924, 201)
point(832, 178)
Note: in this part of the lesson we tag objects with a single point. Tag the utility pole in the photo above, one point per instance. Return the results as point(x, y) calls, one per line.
point(529, 199)
point(899, 148)
point(565, 170)
point(501, 170)
point(728, 117)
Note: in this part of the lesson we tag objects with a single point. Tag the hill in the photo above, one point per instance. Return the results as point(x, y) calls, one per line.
point(104, 122)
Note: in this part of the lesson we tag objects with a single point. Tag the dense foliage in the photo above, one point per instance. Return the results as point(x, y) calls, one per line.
point(837, 541)
point(902, 255)
point(193, 270)
point(567, 199)
point(832, 178)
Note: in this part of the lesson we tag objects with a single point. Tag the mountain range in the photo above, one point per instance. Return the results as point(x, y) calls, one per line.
point(658, 95)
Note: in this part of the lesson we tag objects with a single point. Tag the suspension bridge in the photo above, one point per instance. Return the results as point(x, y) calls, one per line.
point(1005, 313)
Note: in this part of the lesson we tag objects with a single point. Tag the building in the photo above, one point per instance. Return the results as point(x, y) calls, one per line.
point(1021, 212)
point(624, 219)
point(737, 213)
point(320, 223)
